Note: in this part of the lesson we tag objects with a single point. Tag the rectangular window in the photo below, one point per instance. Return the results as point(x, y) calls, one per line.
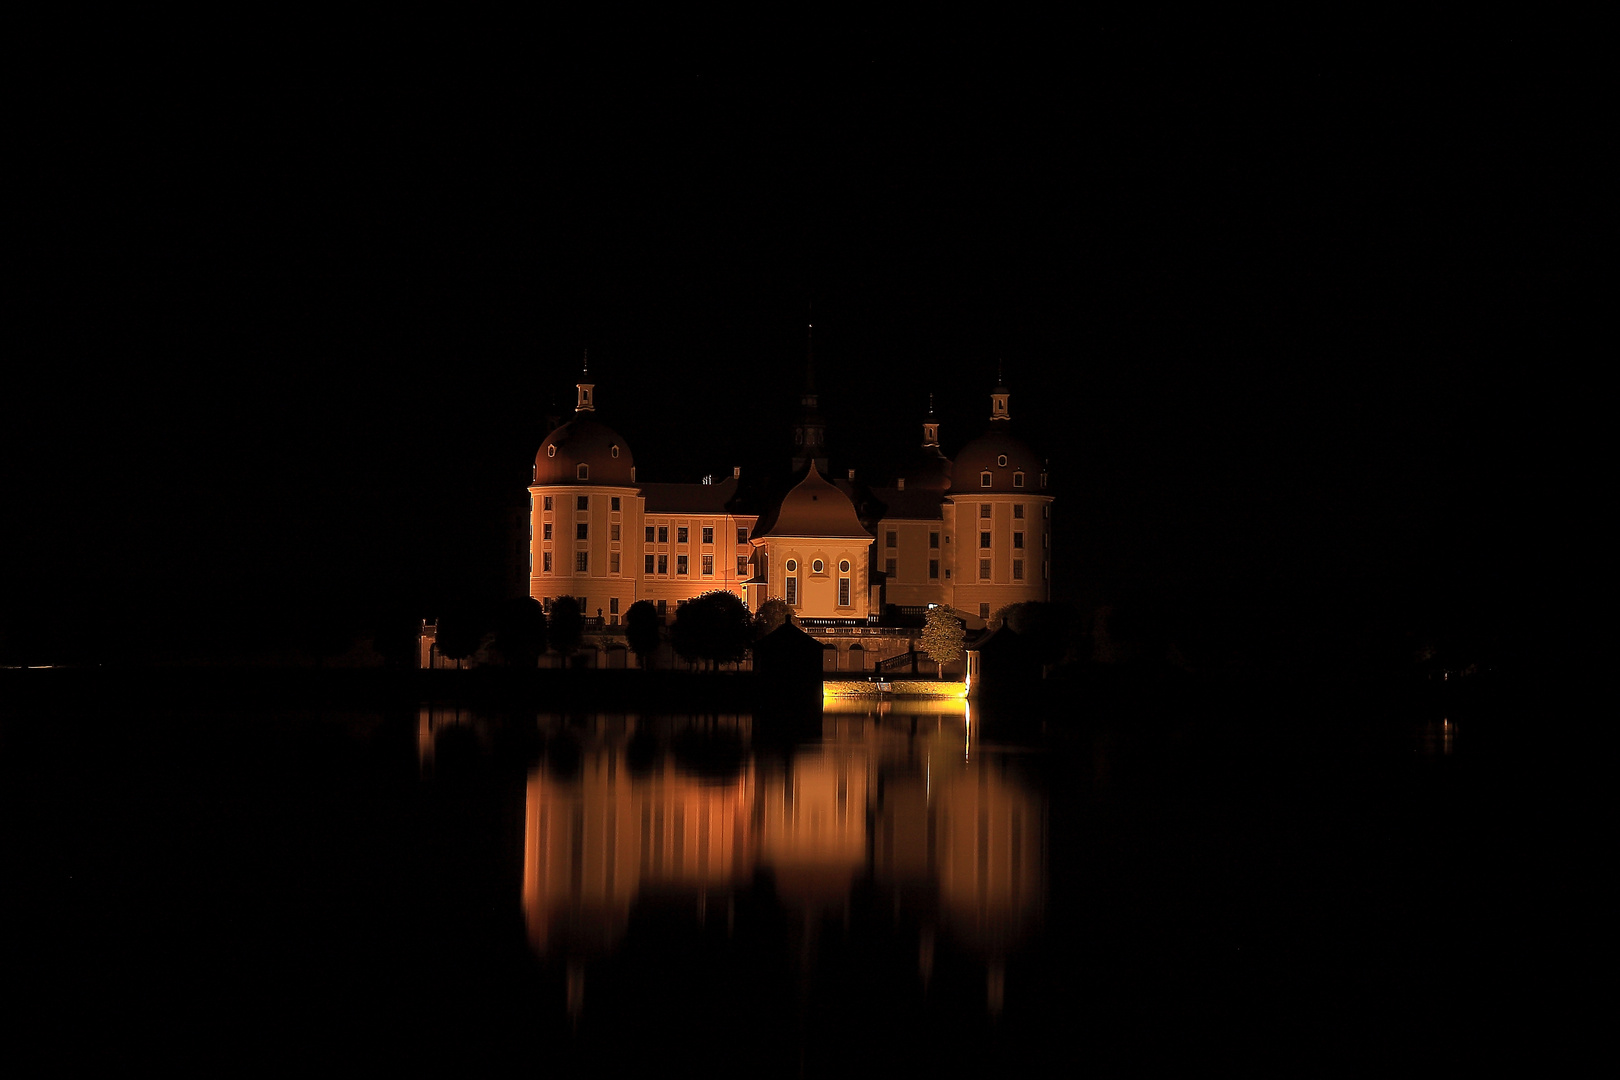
point(933, 569)
point(1046, 570)
point(1018, 539)
point(663, 609)
point(548, 502)
point(984, 539)
point(1018, 569)
point(708, 534)
point(888, 538)
point(984, 479)
point(843, 592)
point(680, 534)
point(1046, 540)
point(614, 504)
point(889, 567)
point(680, 564)
point(613, 563)
point(1018, 510)
point(663, 564)
point(545, 562)
point(1046, 512)
point(663, 534)
point(742, 566)
point(546, 531)
point(984, 611)
point(1018, 479)
point(582, 561)
point(984, 569)
point(933, 540)
point(792, 591)
point(649, 568)
point(582, 503)
point(582, 531)
point(708, 566)
point(613, 605)
point(742, 535)
point(984, 510)
point(613, 532)
point(649, 534)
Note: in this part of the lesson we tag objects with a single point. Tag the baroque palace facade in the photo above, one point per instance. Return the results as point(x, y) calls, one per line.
point(972, 535)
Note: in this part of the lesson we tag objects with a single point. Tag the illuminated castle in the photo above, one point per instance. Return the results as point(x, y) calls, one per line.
point(973, 535)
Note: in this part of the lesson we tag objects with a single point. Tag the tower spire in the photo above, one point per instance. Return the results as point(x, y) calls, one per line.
point(586, 401)
point(930, 427)
point(809, 430)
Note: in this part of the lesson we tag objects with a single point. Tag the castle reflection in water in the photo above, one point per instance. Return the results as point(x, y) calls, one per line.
point(906, 801)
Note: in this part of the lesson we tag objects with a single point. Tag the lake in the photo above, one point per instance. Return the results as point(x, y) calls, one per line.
point(1256, 883)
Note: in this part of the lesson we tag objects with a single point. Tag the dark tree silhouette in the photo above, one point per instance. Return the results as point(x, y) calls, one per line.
point(771, 614)
point(715, 627)
point(567, 625)
point(396, 638)
point(520, 631)
point(1056, 631)
point(461, 631)
point(641, 630)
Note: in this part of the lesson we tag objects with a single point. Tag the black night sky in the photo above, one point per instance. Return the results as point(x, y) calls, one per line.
point(285, 326)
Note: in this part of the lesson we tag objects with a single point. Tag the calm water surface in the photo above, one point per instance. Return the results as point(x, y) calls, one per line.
point(878, 891)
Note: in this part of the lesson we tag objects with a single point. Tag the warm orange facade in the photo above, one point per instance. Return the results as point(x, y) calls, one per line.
point(973, 534)
point(597, 535)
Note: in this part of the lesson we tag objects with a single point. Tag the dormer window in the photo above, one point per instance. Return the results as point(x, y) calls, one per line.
point(551, 451)
point(984, 479)
point(1018, 479)
point(584, 472)
point(1002, 461)
point(615, 450)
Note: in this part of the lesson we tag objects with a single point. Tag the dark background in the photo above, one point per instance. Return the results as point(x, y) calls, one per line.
point(285, 321)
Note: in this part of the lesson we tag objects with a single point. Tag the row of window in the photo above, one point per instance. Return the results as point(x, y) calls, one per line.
point(793, 589)
point(658, 564)
point(1018, 511)
point(1018, 477)
point(582, 502)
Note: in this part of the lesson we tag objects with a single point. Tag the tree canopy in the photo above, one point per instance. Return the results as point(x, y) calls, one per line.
point(520, 631)
point(942, 637)
point(771, 614)
point(641, 630)
point(715, 627)
point(566, 625)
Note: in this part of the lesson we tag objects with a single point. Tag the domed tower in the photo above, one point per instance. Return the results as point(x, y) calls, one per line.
point(583, 505)
point(999, 515)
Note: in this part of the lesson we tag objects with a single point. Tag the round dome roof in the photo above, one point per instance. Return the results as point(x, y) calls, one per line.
point(584, 442)
point(815, 508)
point(1001, 454)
